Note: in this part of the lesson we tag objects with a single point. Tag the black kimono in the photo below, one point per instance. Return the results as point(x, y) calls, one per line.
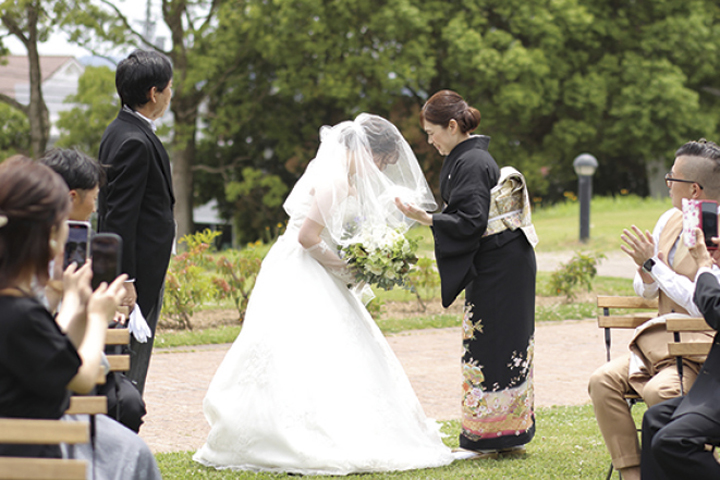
point(498, 274)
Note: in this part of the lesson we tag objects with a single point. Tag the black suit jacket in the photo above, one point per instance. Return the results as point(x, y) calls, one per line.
point(704, 396)
point(137, 203)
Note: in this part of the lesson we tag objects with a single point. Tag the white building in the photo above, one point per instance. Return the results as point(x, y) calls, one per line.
point(60, 76)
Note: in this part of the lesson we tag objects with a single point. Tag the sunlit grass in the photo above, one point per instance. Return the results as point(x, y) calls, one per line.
point(567, 444)
point(558, 227)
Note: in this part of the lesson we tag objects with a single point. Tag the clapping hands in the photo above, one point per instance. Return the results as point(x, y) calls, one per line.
point(640, 246)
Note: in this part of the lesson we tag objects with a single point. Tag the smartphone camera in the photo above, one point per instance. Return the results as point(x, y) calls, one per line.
point(106, 249)
point(709, 221)
point(76, 246)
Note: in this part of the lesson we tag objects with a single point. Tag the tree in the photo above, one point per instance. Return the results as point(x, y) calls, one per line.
point(14, 132)
point(97, 105)
point(191, 24)
point(302, 65)
point(624, 81)
point(31, 21)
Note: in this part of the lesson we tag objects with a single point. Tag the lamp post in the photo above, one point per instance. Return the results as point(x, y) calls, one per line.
point(585, 166)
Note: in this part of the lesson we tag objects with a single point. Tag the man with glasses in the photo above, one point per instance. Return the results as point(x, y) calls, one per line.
point(665, 270)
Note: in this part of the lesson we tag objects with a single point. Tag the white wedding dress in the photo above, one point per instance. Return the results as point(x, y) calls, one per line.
point(311, 386)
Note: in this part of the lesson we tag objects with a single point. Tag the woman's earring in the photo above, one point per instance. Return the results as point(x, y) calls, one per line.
point(53, 245)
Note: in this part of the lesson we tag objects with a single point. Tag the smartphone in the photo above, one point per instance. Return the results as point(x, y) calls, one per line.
point(106, 253)
point(709, 222)
point(76, 245)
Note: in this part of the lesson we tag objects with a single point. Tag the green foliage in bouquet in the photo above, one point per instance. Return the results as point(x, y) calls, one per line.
point(384, 260)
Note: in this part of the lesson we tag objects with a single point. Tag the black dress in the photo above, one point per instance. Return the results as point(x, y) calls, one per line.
point(498, 274)
point(37, 361)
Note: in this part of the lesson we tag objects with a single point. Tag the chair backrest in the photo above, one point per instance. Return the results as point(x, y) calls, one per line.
point(678, 348)
point(97, 404)
point(631, 320)
point(42, 432)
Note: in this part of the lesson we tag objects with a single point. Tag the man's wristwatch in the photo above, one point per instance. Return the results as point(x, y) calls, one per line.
point(648, 265)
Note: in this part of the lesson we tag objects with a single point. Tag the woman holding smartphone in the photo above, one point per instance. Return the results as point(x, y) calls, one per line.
point(43, 359)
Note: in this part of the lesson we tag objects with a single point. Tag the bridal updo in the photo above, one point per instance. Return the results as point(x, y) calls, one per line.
point(447, 105)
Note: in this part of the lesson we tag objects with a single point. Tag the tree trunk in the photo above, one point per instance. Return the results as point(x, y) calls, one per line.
point(655, 171)
point(184, 108)
point(38, 112)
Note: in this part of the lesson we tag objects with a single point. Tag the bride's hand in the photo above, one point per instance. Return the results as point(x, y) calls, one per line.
point(411, 211)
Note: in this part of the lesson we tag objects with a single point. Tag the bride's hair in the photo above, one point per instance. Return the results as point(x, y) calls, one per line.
point(359, 170)
point(33, 200)
point(383, 139)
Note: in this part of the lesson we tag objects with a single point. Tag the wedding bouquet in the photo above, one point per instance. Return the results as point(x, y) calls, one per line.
point(380, 256)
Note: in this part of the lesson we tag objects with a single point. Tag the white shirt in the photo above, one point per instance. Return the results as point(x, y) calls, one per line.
point(678, 288)
point(138, 114)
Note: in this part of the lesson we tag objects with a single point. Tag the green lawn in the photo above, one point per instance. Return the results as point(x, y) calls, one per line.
point(558, 227)
point(567, 445)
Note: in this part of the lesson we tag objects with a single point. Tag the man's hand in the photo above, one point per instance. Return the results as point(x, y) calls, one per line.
point(639, 246)
point(130, 296)
point(700, 252)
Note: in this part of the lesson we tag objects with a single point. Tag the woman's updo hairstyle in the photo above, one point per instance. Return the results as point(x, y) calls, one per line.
point(447, 105)
point(33, 200)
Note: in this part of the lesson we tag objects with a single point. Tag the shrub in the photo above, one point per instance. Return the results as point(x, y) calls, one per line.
point(579, 271)
point(424, 281)
point(238, 271)
point(186, 284)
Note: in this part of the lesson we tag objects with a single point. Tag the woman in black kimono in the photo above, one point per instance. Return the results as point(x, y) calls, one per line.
point(484, 243)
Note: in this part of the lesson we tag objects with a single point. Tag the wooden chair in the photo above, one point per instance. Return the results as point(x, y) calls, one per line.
point(42, 432)
point(680, 349)
point(632, 320)
point(96, 404)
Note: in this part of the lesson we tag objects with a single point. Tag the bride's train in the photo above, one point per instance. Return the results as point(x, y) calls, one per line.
point(311, 386)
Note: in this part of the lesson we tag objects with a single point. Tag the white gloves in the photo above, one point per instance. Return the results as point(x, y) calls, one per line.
point(331, 261)
point(138, 325)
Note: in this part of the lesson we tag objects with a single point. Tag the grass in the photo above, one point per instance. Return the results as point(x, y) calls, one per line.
point(567, 445)
point(558, 227)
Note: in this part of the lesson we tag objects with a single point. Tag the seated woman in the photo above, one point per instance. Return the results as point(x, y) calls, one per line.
point(43, 359)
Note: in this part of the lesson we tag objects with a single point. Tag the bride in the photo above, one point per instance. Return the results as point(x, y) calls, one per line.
point(310, 385)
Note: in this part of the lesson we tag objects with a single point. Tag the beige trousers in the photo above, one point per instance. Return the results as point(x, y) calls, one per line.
point(608, 386)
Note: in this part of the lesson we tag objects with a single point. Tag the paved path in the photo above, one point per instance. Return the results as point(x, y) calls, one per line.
point(566, 353)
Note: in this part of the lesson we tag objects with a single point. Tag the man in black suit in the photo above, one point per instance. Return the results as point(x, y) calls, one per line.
point(137, 200)
point(675, 432)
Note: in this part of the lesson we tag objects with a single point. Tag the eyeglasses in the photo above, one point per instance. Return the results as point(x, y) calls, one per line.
point(669, 179)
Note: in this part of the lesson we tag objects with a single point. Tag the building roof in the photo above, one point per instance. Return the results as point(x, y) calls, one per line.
point(16, 69)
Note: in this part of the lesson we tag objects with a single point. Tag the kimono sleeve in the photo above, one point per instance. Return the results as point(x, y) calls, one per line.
point(460, 226)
